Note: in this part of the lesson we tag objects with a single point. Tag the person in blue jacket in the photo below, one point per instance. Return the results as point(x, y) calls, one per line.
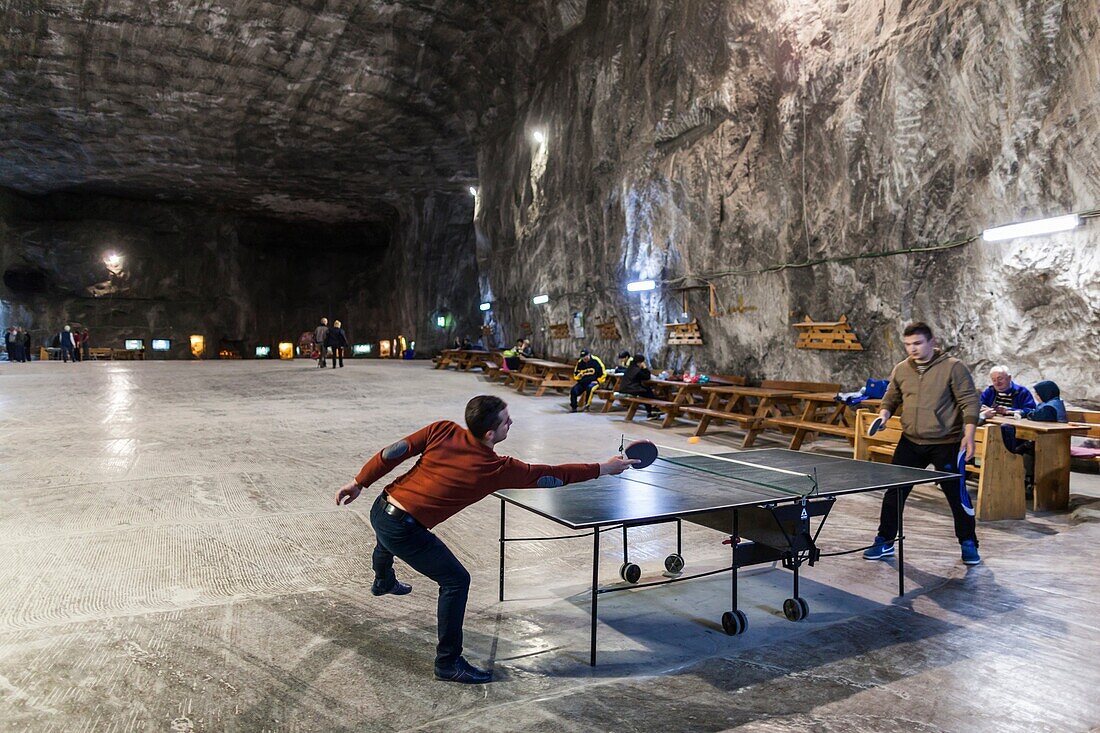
point(1003, 395)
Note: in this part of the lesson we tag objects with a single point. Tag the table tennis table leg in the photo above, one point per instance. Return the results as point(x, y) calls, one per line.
point(595, 592)
point(503, 504)
point(626, 555)
point(901, 544)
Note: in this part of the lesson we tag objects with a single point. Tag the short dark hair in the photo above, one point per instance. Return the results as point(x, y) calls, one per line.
point(483, 414)
point(623, 355)
point(519, 341)
point(639, 358)
point(918, 328)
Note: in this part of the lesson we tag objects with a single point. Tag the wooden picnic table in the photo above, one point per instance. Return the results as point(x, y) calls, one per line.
point(672, 394)
point(734, 403)
point(544, 374)
point(821, 413)
point(1052, 457)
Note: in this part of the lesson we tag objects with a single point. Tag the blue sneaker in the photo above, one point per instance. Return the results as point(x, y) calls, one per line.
point(970, 552)
point(880, 550)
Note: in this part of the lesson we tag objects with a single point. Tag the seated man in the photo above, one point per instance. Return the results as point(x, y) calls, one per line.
point(634, 383)
point(1004, 396)
point(512, 356)
point(1051, 409)
point(588, 374)
point(624, 360)
point(528, 352)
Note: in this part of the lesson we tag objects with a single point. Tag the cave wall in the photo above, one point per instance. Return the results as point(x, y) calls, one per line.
point(239, 280)
point(688, 141)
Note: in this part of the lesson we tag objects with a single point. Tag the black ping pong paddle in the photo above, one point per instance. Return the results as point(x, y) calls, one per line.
point(642, 451)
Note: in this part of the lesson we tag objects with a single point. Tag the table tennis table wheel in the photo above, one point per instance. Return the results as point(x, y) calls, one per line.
point(734, 622)
point(674, 564)
point(796, 609)
point(630, 572)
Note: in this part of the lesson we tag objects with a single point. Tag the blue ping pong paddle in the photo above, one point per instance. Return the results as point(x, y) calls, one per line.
point(642, 451)
point(876, 425)
point(964, 495)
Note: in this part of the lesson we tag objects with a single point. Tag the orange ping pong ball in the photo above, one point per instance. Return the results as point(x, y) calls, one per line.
point(693, 439)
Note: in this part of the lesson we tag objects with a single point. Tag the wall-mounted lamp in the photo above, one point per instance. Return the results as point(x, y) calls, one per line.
point(441, 321)
point(540, 299)
point(473, 191)
point(486, 306)
point(1032, 228)
point(539, 136)
point(639, 285)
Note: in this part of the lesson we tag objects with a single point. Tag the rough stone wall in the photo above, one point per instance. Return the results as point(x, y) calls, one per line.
point(233, 278)
point(690, 140)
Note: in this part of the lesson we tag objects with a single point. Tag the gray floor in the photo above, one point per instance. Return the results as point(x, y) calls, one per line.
point(171, 559)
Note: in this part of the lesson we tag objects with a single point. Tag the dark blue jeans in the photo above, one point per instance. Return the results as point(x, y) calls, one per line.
point(425, 553)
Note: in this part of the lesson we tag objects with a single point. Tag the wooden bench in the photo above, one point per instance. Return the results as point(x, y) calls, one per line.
point(553, 383)
point(521, 379)
point(100, 353)
point(998, 473)
point(1092, 419)
point(774, 396)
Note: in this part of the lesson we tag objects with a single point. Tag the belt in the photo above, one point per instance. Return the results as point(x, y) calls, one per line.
point(394, 511)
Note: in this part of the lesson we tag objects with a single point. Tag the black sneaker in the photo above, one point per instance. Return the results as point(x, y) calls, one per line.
point(398, 589)
point(464, 673)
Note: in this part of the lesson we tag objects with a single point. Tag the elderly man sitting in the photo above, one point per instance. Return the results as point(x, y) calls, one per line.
point(1004, 396)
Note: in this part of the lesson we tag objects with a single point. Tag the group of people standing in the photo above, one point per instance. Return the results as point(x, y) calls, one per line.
point(330, 340)
point(17, 342)
point(75, 346)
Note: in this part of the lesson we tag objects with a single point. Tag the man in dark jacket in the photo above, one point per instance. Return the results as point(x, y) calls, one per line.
point(319, 335)
point(634, 383)
point(10, 338)
point(25, 344)
point(1004, 396)
point(588, 374)
point(68, 344)
point(337, 340)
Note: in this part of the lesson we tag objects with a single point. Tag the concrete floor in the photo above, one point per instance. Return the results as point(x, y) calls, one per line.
point(171, 559)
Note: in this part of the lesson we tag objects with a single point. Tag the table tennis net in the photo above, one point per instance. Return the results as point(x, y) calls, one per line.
point(739, 471)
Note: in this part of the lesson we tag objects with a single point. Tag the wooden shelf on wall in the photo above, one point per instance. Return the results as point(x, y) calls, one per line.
point(835, 335)
point(609, 330)
point(684, 334)
point(559, 330)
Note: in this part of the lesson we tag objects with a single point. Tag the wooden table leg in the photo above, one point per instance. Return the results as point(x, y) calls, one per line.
point(1052, 461)
point(1001, 486)
point(763, 407)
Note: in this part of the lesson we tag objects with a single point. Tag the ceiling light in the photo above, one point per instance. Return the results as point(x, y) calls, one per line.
point(639, 285)
point(1032, 228)
point(540, 136)
point(540, 299)
point(486, 306)
point(473, 191)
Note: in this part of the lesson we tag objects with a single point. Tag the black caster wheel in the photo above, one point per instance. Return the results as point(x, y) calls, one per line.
point(630, 572)
point(795, 609)
point(734, 623)
point(674, 564)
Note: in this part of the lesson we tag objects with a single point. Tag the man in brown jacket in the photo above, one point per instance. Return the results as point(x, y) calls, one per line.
point(939, 419)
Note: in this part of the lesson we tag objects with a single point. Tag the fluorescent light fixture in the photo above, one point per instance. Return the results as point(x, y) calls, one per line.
point(162, 344)
point(540, 299)
point(473, 191)
point(486, 306)
point(1032, 228)
point(135, 345)
point(263, 352)
point(441, 321)
point(540, 136)
point(360, 349)
point(639, 285)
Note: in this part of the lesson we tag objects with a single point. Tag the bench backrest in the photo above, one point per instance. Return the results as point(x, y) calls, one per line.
point(891, 434)
point(801, 386)
point(1091, 417)
point(735, 379)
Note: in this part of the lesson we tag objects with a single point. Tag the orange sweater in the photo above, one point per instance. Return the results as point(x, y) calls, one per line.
point(455, 470)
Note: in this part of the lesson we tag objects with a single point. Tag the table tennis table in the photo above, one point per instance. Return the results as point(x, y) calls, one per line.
point(765, 501)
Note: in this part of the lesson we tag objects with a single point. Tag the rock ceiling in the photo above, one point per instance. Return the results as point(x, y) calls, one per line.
point(314, 109)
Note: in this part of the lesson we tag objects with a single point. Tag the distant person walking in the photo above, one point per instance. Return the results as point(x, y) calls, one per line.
point(68, 344)
point(25, 343)
point(338, 341)
point(12, 344)
point(320, 334)
point(76, 346)
point(85, 345)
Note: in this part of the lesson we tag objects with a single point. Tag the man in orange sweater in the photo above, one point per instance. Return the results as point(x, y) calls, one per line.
point(457, 467)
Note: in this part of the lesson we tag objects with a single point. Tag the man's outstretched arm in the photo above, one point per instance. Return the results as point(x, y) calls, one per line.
point(383, 462)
